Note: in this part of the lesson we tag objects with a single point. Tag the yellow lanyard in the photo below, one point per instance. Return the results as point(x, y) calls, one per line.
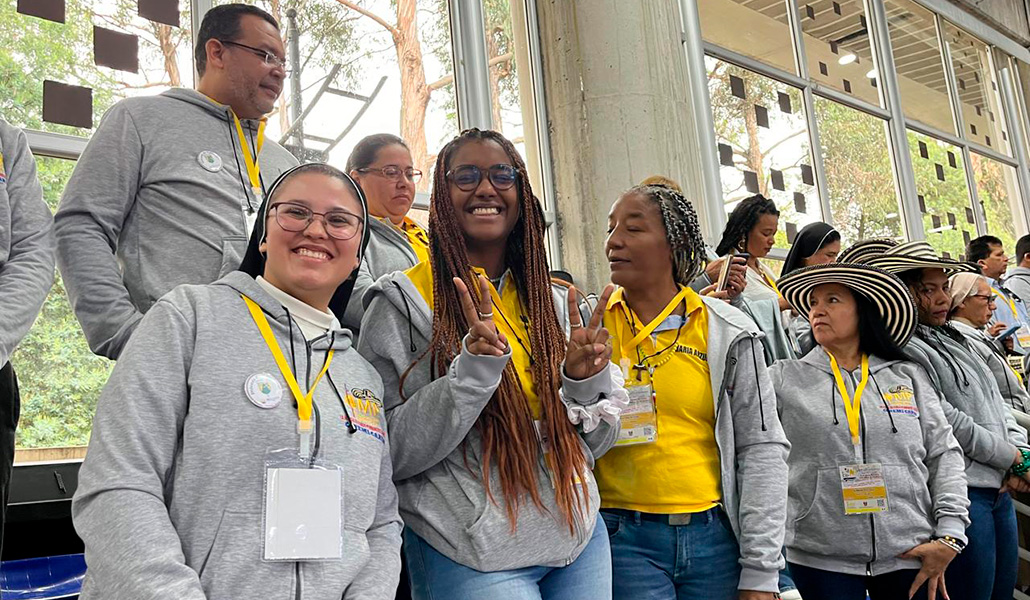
point(303, 402)
point(852, 407)
point(768, 280)
point(646, 331)
point(253, 168)
point(1012, 304)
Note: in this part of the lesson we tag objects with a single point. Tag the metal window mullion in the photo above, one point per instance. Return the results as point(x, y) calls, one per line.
point(715, 208)
point(55, 145)
point(979, 218)
point(543, 135)
point(742, 60)
point(198, 8)
point(471, 72)
point(905, 178)
point(797, 35)
point(850, 101)
point(1009, 104)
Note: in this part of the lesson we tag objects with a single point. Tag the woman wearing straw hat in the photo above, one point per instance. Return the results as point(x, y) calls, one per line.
point(877, 499)
point(816, 244)
point(994, 445)
point(972, 308)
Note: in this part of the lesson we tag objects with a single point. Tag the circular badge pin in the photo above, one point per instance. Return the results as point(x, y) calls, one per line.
point(210, 161)
point(263, 390)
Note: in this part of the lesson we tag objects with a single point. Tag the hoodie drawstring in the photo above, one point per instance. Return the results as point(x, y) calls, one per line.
point(833, 400)
point(934, 342)
point(407, 309)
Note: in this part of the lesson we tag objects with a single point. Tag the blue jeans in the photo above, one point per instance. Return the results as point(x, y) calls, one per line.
point(816, 583)
point(657, 561)
point(436, 577)
point(986, 569)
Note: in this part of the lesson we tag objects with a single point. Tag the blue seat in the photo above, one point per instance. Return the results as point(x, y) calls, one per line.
point(45, 578)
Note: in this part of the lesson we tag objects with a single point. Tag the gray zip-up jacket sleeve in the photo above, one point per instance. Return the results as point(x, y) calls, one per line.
point(978, 443)
point(26, 241)
point(141, 556)
point(93, 210)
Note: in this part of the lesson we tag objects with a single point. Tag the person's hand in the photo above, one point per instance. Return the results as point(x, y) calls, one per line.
point(995, 329)
point(935, 558)
point(753, 595)
point(711, 293)
point(588, 351)
point(1013, 483)
point(483, 337)
point(1007, 342)
point(736, 279)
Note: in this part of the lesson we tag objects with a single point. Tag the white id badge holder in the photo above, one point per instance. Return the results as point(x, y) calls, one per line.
point(863, 488)
point(638, 423)
point(303, 509)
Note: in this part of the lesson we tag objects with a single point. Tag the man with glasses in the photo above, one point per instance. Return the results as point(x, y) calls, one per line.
point(167, 190)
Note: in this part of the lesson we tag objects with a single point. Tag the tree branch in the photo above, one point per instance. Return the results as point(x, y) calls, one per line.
point(449, 79)
point(371, 15)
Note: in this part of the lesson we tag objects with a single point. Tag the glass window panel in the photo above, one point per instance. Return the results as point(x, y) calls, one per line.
point(943, 195)
point(35, 50)
point(511, 81)
point(1022, 85)
point(416, 100)
point(755, 28)
point(859, 173)
point(837, 47)
point(919, 64)
point(763, 144)
point(60, 378)
point(997, 190)
point(977, 89)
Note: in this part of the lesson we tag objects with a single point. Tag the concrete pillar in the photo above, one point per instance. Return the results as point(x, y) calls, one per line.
point(619, 110)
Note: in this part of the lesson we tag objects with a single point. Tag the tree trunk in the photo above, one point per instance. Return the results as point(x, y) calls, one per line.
point(284, 103)
point(497, 72)
point(164, 38)
point(414, 91)
point(754, 149)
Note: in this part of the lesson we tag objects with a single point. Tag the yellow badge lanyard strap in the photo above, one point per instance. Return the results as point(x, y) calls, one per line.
point(852, 406)
point(639, 337)
point(769, 281)
point(251, 160)
point(1009, 301)
point(303, 402)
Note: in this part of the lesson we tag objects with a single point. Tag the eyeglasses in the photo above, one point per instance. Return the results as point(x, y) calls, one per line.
point(987, 297)
point(270, 59)
point(393, 173)
point(339, 224)
point(468, 177)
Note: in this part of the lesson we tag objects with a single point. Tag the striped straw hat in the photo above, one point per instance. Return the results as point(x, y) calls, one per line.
point(917, 255)
point(883, 290)
point(860, 251)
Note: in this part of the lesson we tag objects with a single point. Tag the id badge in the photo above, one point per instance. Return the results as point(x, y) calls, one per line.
point(864, 488)
point(1023, 336)
point(303, 509)
point(638, 423)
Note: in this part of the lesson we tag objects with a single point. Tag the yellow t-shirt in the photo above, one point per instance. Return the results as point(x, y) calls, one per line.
point(508, 317)
point(679, 472)
point(417, 237)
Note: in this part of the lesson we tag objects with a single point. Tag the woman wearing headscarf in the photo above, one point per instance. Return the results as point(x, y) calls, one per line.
point(877, 496)
point(693, 493)
point(995, 446)
point(381, 164)
point(816, 244)
point(972, 309)
point(239, 449)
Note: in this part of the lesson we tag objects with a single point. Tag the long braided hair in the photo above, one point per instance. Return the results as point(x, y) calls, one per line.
point(506, 424)
point(682, 230)
point(742, 220)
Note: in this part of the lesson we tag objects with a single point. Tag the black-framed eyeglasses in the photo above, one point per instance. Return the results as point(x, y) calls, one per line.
point(339, 224)
point(270, 59)
point(468, 177)
point(986, 297)
point(394, 173)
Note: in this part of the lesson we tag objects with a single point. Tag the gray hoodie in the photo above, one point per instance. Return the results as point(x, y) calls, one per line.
point(1017, 281)
point(1011, 388)
point(170, 495)
point(157, 199)
point(388, 251)
point(437, 449)
point(983, 426)
point(26, 241)
point(903, 427)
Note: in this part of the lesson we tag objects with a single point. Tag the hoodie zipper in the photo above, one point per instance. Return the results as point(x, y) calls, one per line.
point(872, 523)
point(318, 427)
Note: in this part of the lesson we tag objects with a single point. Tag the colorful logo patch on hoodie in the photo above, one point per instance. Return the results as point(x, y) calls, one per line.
point(900, 400)
point(365, 413)
point(3, 174)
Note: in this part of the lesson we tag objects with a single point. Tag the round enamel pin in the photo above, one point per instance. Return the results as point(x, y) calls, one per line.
point(210, 161)
point(263, 390)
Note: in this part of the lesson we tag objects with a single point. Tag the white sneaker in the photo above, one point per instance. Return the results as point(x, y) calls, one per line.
point(791, 595)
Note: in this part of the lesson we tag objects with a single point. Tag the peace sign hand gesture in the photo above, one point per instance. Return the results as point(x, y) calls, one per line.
point(588, 351)
point(483, 338)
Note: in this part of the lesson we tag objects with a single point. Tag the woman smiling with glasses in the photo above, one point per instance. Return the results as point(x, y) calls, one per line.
point(382, 166)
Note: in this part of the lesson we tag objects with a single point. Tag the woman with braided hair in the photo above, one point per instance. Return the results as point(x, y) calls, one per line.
point(500, 397)
point(694, 492)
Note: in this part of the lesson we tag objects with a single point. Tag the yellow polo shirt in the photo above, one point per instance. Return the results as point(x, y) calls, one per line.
point(508, 314)
point(679, 472)
point(417, 237)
